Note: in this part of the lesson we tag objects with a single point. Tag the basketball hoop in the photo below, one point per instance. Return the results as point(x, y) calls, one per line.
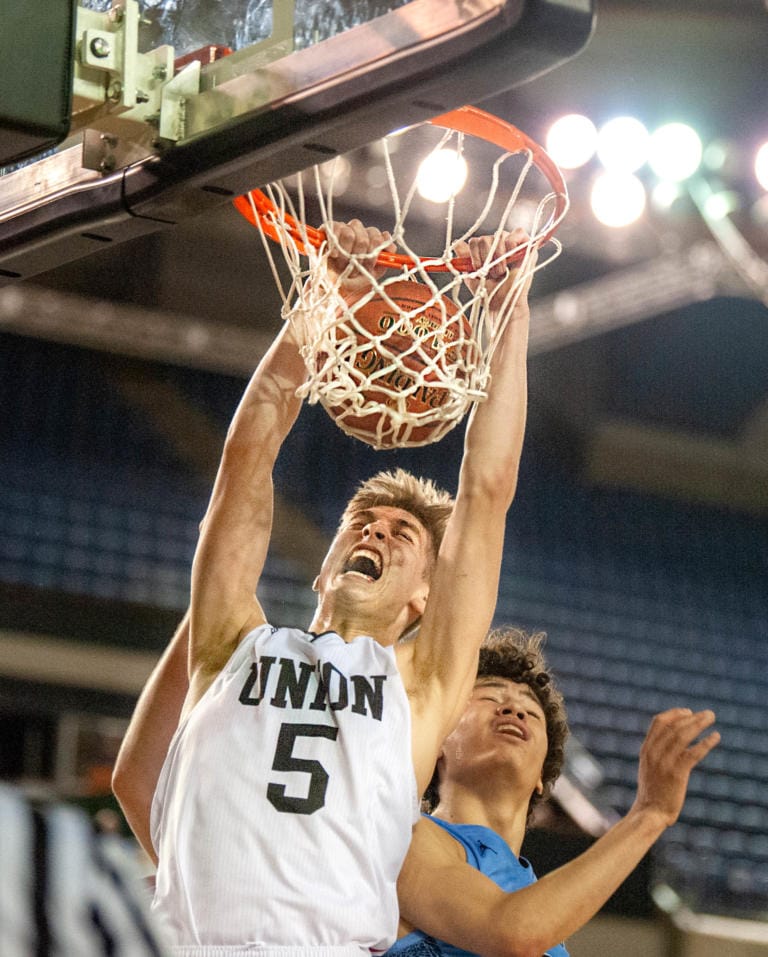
point(522, 177)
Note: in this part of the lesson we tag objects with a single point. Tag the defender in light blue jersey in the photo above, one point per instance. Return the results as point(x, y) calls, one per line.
point(464, 884)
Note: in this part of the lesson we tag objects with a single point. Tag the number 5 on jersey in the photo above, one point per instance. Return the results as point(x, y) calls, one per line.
point(286, 761)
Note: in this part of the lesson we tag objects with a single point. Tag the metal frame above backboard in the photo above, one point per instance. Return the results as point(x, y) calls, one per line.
point(248, 126)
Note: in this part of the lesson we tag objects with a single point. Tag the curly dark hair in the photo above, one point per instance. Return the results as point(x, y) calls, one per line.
point(516, 655)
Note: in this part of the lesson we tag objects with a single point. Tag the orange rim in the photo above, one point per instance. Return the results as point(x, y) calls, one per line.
point(467, 119)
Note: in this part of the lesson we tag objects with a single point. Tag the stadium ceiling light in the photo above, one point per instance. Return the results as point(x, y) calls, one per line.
point(761, 166)
point(571, 141)
point(722, 204)
point(441, 175)
point(665, 194)
point(617, 199)
point(675, 151)
point(622, 144)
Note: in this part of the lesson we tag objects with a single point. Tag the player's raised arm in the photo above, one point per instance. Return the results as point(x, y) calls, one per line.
point(444, 896)
point(235, 533)
point(464, 585)
point(237, 526)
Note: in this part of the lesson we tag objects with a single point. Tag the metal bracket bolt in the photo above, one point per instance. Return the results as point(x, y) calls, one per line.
point(100, 47)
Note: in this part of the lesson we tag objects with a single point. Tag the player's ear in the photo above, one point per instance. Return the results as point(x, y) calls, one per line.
point(418, 601)
point(539, 787)
point(316, 584)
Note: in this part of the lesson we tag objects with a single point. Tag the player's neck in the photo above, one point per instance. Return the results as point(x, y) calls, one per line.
point(352, 625)
point(503, 812)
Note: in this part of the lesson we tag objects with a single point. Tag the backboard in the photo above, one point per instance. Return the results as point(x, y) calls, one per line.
point(160, 132)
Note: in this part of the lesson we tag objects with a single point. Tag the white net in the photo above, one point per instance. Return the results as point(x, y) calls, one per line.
point(400, 364)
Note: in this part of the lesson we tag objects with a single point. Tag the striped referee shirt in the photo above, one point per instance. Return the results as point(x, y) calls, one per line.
point(64, 890)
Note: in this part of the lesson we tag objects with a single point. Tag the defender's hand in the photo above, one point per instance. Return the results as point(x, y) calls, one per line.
point(668, 755)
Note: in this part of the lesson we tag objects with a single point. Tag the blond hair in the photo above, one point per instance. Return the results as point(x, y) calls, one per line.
point(430, 505)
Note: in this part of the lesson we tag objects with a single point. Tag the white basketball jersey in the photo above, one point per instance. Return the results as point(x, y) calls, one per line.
point(285, 805)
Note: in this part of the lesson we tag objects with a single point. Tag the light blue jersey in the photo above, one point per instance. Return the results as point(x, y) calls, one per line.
point(492, 856)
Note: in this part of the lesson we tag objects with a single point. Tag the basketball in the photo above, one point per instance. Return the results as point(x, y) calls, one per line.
point(398, 351)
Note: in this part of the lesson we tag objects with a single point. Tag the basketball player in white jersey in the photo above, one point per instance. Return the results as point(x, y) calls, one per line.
point(285, 805)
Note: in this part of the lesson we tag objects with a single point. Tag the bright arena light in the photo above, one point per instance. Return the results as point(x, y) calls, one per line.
point(722, 204)
point(665, 194)
point(337, 171)
point(571, 141)
point(441, 175)
point(617, 199)
point(716, 154)
point(622, 144)
point(761, 166)
point(675, 151)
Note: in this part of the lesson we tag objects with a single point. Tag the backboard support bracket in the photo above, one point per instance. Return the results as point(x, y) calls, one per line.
point(275, 117)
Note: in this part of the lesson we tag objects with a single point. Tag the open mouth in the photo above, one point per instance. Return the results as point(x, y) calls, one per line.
point(511, 729)
point(365, 563)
